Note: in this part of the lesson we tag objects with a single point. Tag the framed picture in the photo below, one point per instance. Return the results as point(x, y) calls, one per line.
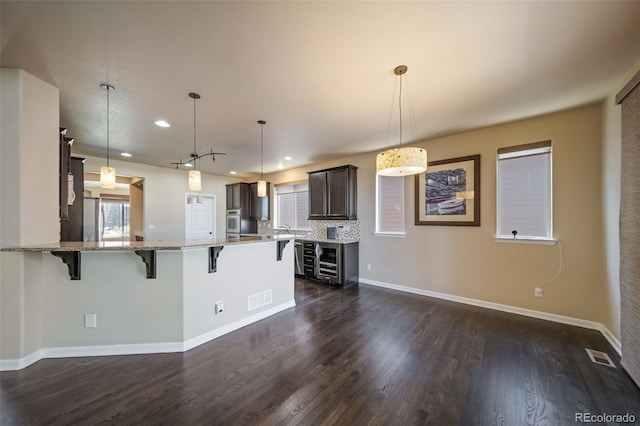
point(448, 193)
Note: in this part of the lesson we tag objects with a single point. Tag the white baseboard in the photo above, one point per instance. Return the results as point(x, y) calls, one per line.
point(613, 341)
point(108, 350)
point(140, 348)
point(19, 364)
point(213, 334)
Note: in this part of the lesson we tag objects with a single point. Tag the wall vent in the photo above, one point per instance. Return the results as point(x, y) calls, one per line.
point(260, 299)
point(600, 357)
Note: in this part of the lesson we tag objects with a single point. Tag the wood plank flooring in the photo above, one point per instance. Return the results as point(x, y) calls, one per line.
point(359, 356)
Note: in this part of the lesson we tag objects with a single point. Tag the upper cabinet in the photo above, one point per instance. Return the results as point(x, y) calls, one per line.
point(333, 193)
point(239, 198)
point(64, 162)
point(259, 205)
point(244, 197)
point(72, 227)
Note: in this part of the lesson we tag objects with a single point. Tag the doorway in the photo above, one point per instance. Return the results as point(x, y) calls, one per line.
point(113, 214)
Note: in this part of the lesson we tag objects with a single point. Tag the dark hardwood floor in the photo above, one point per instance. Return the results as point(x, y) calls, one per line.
point(362, 355)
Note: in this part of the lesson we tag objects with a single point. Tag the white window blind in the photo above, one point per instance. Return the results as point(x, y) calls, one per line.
point(524, 191)
point(390, 205)
point(292, 206)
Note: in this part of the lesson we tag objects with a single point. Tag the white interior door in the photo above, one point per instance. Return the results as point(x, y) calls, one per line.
point(199, 217)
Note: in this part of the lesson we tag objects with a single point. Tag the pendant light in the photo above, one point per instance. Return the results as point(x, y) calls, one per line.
point(262, 184)
point(195, 180)
point(107, 174)
point(401, 161)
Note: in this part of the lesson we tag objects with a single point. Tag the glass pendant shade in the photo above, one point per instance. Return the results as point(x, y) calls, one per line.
point(403, 161)
point(262, 188)
point(195, 182)
point(107, 177)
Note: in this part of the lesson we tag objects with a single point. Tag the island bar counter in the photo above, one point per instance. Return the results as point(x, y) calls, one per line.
point(45, 314)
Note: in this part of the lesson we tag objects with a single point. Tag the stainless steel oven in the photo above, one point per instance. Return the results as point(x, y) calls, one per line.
point(233, 222)
point(328, 261)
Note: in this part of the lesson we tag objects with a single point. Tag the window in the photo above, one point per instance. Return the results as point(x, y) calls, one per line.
point(390, 205)
point(292, 206)
point(115, 217)
point(524, 191)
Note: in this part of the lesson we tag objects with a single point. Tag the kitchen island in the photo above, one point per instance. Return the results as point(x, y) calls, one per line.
point(113, 298)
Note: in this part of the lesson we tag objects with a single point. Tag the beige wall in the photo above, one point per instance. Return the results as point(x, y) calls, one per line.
point(136, 201)
point(29, 147)
point(466, 261)
point(29, 172)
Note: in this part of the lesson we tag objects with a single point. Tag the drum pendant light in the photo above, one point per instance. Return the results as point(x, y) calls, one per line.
point(107, 174)
point(195, 180)
point(262, 184)
point(401, 161)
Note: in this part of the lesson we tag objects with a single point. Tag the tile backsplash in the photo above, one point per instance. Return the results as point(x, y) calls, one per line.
point(347, 229)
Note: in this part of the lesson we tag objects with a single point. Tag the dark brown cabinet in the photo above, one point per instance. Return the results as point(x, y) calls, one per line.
point(244, 197)
point(72, 227)
point(63, 161)
point(331, 262)
point(238, 196)
point(333, 193)
point(309, 258)
point(259, 205)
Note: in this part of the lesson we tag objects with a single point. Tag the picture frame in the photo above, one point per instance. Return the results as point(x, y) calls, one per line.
point(448, 193)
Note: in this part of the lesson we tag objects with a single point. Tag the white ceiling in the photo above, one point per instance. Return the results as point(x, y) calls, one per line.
point(320, 73)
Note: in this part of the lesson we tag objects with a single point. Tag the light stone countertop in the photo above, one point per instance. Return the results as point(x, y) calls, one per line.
point(144, 245)
point(326, 240)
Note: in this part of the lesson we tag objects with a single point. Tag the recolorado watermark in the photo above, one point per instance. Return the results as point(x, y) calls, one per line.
point(604, 418)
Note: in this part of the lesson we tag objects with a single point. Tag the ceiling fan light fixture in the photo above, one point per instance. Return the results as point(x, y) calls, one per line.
point(107, 173)
point(401, 161)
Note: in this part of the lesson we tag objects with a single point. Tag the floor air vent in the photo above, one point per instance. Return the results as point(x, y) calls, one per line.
point(260, 299)
point(600, 357)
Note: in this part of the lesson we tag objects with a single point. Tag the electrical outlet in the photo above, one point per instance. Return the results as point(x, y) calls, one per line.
point(368, 266)
point(90, 320)
point(538, 292)
point(219, 307)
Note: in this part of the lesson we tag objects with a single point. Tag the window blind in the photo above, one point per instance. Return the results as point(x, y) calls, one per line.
point(524, 191)
point(390, 204)
point(292, 206)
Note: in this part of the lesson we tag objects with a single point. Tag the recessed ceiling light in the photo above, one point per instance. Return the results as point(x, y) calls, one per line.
point(233, 172)
point(125, 154)
point(280, 166)
point(162, 123)
point(188, 165)
point(287, 158)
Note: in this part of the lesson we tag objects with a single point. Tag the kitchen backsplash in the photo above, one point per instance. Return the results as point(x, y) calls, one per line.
point(347, 229)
